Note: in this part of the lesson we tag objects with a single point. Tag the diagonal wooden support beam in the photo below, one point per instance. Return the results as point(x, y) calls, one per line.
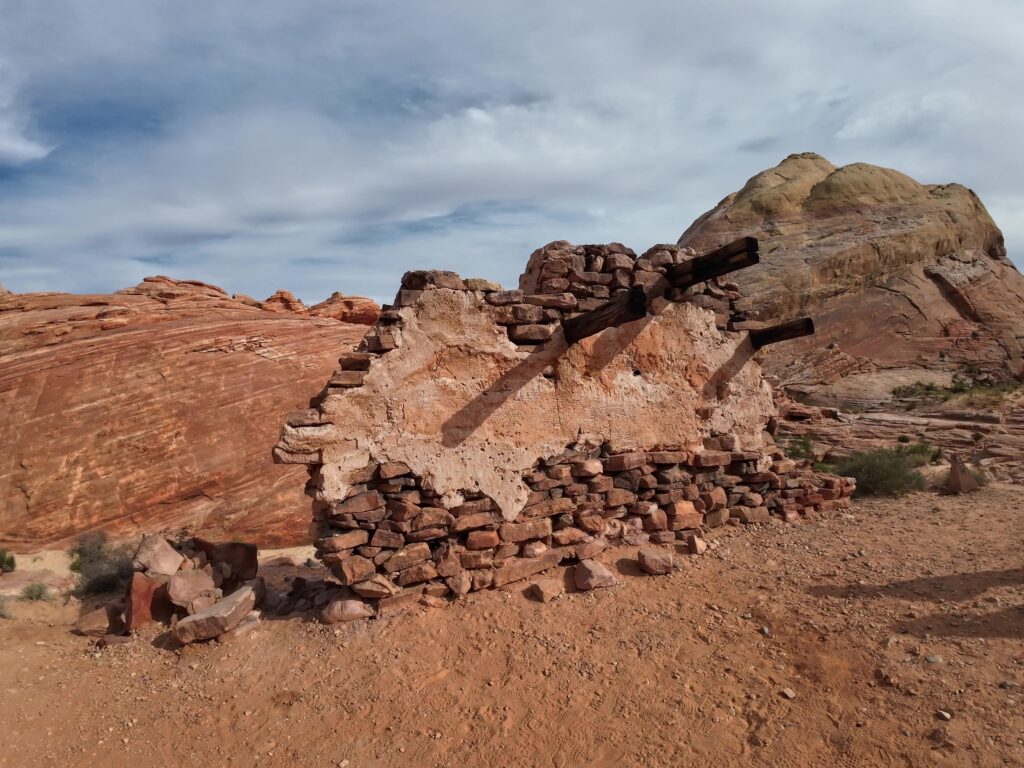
point(792, 329)
point(738, 254)
point(627, 306)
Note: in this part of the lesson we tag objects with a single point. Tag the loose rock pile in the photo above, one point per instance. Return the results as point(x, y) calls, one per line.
point(200, 589)
point(410, 506)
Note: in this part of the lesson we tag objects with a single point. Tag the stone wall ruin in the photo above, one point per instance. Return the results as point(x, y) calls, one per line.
point(465, 444)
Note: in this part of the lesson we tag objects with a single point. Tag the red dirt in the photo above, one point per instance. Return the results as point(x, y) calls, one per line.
point(876, 620)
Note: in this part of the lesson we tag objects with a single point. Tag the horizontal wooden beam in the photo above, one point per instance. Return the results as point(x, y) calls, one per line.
point(791, 329)
point(731, 257)
point(623, 308)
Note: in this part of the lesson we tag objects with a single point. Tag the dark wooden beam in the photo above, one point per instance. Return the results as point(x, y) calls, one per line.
point(792, 329)
point(721, 261)
point(632, 304)
point(626, 306)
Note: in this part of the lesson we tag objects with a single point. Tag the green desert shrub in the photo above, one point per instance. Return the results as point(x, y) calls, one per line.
point(7, 562)
point(36, 591)
point(883, 472)
point(800, 448)
point(101, 567)
point(4, 613)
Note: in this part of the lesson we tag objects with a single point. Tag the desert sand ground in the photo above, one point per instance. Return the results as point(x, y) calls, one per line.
point(881, 623)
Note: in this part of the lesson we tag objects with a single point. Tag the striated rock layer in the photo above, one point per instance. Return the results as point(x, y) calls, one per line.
point(465, 445)
point(153, 409)
point(908, 282)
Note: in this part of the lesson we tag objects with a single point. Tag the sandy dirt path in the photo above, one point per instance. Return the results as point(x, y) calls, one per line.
point(876, 620)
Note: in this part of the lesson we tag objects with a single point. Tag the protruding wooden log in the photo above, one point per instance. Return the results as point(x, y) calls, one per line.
point(721, 261)
point(628, 305)
point(792, 329)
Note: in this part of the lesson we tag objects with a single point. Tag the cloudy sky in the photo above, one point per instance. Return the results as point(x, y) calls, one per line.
point(323, 145)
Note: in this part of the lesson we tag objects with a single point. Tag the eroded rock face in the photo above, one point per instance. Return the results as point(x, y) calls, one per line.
point(153, 409)
point(348, 309)
point(909, 282)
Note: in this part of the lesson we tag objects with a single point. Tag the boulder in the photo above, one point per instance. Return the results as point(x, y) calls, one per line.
point(346, 610)
point(655, 560)
point(156, 556)
point(93, 624)
point(185, 586)
point(225, 615)
point(590, 574)
point(547, 590)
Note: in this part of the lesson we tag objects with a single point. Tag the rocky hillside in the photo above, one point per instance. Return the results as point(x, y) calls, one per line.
point(919, 312)
point(906, 282)
point(155, 408)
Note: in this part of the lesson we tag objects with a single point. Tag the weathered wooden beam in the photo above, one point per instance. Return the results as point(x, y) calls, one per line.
point(792, 329)
point(721, 261)
point(626, 306)
point(632, 304)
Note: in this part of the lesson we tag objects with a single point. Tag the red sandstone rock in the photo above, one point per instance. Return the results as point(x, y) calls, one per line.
point(157, 557)
point(348, 309)
point(590, 574)
point(547, 590)
point(345, 610)
point(225, 615)
point(908, 282)
point(145, 596)
point(154, 408)
point(655, 560)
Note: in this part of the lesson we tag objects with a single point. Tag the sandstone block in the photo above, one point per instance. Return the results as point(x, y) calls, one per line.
point(472, 560)
point(343, 541)
point(338, 611)
point(530, 334)
point(751, 514)
point(363, 502)
point(531, 529)
point(588, 549)
point(482, 540)
point(590, 574)
point(517, 568)
point(620, 497)
point(408, 556)
point(225, 615)
point(471, 521)
point(623, 461)
point(386, 539)
point(354, 569)
point(656, 561)
point(418, 573)
point(546, 590)
point(156, 556)
point(185, 586)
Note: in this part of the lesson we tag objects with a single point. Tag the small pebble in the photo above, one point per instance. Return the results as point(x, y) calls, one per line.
point(944, 715)
point(787, 693)
point(933, 659)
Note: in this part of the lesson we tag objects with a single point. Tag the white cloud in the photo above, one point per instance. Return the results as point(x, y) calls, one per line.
point(321, 147)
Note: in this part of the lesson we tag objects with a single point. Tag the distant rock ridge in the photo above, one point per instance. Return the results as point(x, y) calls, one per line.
point(908, 282)
point(154, 409)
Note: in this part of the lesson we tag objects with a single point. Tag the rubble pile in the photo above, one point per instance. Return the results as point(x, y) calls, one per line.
point(466, 444)
point(201, 590)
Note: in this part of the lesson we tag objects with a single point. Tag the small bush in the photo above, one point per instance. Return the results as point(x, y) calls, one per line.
point(904, 438)
point(102, 568)
point(882, 472)
point(36, 591)
point(919, 454)
point(800, 448)
point(7, 562)
point(4, 613)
